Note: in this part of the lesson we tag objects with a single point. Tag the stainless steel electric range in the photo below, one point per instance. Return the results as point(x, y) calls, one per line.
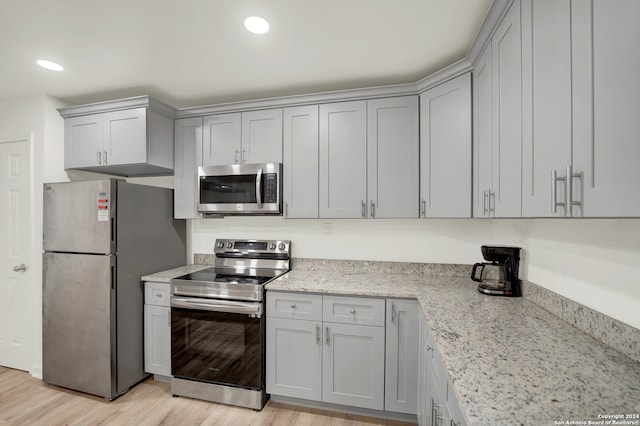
point(218, 323)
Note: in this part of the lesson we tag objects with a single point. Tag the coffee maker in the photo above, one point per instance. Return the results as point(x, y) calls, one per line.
point(499, 276)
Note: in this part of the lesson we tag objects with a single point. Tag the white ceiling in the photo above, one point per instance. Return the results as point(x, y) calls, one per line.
point(197, 52)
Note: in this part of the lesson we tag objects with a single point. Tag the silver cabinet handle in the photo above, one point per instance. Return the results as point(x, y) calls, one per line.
point(326, 336)
point(20, 268)
point(364, 209)
point(485, 211)
point(236, 157)
point(159, 295)
point(286, 209)
point(244, 155)
point(99, 158)
point(424, 208)
point(293, 306)
point(492, 207)
point(554, 192)
point(317, 334)
point(373, 209)
point(393, 313)
point(569, 196)
point(104, 157)
point(352, 311)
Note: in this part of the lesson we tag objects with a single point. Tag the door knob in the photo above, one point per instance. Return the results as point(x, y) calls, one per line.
point(20, 268)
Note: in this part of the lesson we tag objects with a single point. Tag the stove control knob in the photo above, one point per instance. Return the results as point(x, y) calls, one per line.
point(281, 246)
point(272, 246)
point(229, 245)
point(220, 244)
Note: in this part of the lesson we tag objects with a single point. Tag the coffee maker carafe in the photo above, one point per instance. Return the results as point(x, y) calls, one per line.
point(499, 276)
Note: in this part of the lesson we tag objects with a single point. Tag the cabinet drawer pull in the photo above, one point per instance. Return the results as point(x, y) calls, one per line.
point(326, 336)
point(159, 295)
point(352, 311)
point(317, 334)
point(364, 209)
point(373, 209)
point(293, 306)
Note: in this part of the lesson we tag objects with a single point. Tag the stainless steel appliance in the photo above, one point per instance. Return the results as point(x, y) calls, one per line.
point(100, 237)
point(240, 189)
point(499, 277)
point(218, 323)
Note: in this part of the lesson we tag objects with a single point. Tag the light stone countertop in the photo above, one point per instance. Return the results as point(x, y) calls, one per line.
point(510, 361)
point(166, 276)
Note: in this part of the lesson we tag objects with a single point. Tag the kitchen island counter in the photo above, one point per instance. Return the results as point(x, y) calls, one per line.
point(509, 360)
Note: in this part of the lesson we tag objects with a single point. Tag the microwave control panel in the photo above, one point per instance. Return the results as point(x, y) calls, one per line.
point(270, 188)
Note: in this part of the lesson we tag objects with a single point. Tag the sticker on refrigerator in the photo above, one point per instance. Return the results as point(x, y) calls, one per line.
point(103, 207)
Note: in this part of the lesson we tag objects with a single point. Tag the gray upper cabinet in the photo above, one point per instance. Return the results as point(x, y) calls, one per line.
point(238, 138)
point(393, 160)
point(445, 150)
point(300, 162)
point(188, 156)
point(343, 160)
point(129, 137)
point(580, 110)
point(502, 195)
point(262, 136)
point(606, 110)
point(221, 139)
point(482, 134)
point(547, 138)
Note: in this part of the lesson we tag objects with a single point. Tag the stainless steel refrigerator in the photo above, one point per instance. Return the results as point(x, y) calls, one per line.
point(100, 237)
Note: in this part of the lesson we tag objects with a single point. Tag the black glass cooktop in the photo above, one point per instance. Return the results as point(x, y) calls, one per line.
point(219, 275)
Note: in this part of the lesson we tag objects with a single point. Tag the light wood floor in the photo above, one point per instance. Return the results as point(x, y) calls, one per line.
point(25, 400)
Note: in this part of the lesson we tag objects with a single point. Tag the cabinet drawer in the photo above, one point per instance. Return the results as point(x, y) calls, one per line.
point(294, 305)
point(156, 294)
point(353, 310)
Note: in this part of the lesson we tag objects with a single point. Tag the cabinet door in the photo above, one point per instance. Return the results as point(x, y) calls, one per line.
point(392, 165)
point(294, 358)
point(83, 138)
point(188, 156)
point(221, 139)
point(445, 149)
point(125, 137)
point(300, 162)
point(353, 365)
point(262, 136)
point(546, 144)
point(401, 381)
point(506, 197)
point(157, 340)
point(482, 133)
point(606, 60)
point(343, 160)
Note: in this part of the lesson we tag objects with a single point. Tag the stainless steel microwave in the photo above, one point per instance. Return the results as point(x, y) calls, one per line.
point(240, 189)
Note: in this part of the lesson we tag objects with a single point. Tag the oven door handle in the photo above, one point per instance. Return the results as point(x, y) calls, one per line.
point(252, 309)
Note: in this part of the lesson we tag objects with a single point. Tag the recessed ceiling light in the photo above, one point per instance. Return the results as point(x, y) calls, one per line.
point(256, 25)
point(52, 66)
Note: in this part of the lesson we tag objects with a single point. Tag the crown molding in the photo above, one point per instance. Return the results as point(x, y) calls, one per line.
point(117, 105)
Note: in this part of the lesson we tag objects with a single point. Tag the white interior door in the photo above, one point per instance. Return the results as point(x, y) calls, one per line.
point(15, 308)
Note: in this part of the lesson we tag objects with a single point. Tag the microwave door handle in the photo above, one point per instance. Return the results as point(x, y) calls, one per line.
point(259, 188)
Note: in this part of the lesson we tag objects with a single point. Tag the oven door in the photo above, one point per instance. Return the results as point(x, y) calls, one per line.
point(218, 342)
point(240, 189)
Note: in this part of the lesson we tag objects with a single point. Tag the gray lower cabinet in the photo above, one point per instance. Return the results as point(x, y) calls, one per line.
point(401, 364)
point(326, 348)
point(437, 402)
point(157, 329)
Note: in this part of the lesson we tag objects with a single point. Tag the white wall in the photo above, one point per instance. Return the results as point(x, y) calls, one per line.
point(595, 262)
